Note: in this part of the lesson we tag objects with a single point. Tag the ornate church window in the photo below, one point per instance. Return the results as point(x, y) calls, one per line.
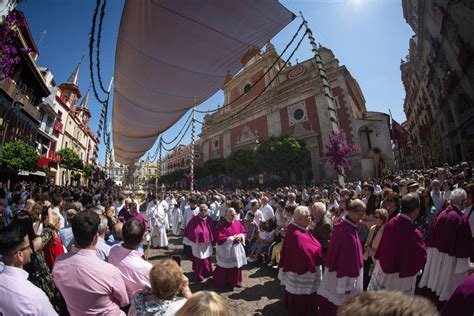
point(298, 114)
point(247, 88)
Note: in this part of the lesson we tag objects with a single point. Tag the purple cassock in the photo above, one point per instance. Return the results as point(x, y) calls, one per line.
point(449, 245)
point(126, 215)
point(343, 277)
point(400, 256)
point(200, 232)
point(461, 303)
point(230, 255)
point(300, 270)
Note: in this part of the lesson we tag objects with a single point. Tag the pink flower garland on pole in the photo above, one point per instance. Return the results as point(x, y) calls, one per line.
point(337, 152)
point(9, 51)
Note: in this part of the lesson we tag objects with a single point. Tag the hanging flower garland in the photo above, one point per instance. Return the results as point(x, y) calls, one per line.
point(337, 152)
point(9, 52)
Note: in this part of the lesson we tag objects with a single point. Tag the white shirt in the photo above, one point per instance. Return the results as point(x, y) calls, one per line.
point(267, 212)
point(61, 218)
point(214, 211)
point(102, 249)
point(188, 214)
point(18, 296)
point(258, 217)
point(438, 200)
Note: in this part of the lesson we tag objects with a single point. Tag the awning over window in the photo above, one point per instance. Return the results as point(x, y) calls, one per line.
point(170, 53)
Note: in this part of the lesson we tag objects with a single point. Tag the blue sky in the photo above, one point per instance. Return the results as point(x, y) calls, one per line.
point(369, 37)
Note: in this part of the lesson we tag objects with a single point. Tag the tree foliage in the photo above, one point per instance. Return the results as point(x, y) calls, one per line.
point(87, 169)
point(19, 155)
point(215, 166)
point(278, 155)
point(69, 159)
point(281, 155)
point(76, 177)
point(241, 164)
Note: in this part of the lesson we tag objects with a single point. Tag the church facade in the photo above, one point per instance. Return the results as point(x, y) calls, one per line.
point(293, 103)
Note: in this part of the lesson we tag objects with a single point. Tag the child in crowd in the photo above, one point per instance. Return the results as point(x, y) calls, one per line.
point(251, 228)
point(264, 240)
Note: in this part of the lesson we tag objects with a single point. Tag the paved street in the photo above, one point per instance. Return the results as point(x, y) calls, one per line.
point(260, 294)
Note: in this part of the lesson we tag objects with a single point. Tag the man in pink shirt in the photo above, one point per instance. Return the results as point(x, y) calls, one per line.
point(89, 285)
point(18, 296)
point(134, 269)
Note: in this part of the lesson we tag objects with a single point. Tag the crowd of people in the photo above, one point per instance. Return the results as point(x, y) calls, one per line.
point(359, 248)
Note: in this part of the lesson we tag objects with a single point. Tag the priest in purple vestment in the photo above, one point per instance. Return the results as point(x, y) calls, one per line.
point(461, 302)
point(449, 246)
point(343, 276)
point(200, 233)
point(401, 253)
point(300, 265)
point(230, 252)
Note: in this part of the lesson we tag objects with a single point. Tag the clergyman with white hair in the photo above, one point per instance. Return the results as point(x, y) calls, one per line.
point(321, 226)
point(449, 247)
point(300, 265)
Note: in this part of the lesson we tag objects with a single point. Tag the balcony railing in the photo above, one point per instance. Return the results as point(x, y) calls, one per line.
point(18, 97)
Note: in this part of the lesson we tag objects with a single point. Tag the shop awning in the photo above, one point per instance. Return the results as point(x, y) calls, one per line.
point(170, 53)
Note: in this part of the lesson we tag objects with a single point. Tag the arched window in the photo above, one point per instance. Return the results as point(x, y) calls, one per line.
point(247, 88)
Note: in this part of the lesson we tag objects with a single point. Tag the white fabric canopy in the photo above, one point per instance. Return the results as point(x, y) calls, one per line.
point(170, 53)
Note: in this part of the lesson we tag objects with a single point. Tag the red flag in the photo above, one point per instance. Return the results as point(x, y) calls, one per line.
point(400, 135)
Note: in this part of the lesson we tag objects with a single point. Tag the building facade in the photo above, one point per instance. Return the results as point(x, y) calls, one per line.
point(74, 118)
point(22, 93)
point(180, 158)
point(438, 77)
point(293, 104)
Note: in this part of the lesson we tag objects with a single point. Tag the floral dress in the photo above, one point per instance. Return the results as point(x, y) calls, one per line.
point(141, 307)
point(40, 275)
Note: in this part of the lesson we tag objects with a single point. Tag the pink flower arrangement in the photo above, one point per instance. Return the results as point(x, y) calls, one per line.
point(337, 152)
point(9, 51)
point(188, 178)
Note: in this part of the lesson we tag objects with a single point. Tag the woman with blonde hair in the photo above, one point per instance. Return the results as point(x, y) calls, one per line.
point(166, 280)
point(204, 303)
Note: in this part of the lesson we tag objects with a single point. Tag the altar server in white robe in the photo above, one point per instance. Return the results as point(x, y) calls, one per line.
point(449, 247)
point(157, 217)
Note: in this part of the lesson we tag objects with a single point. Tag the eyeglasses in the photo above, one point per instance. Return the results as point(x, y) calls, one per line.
point(23, 249)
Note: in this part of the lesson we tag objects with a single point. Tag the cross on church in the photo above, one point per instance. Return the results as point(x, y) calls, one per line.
point(367, 131)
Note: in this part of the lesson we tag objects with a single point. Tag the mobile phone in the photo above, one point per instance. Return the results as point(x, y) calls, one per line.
point(177, 258)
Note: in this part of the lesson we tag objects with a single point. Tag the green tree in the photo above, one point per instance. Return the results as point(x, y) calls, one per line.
point(87, 169)
point(76, 177)
point(200, 172)
point(282, 155)
point(215, 166)
point(19, 155)
point(151, 180)
point(70, 160)
point(241, 164)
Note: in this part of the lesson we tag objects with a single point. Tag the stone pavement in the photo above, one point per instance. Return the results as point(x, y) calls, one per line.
point(260, 294)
